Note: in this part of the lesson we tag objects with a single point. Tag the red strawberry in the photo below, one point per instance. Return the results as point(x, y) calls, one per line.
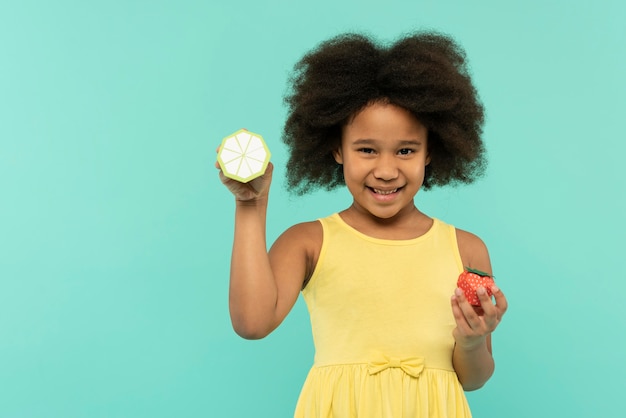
point(470, 280)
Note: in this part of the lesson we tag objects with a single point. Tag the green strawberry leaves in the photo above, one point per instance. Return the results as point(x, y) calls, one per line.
point(480, 273)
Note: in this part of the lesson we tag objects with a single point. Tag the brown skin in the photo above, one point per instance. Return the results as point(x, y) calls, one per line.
point(265, 285)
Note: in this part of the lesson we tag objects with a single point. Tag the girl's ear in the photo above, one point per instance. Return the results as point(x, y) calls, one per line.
point(428, 158)
point(338, 156)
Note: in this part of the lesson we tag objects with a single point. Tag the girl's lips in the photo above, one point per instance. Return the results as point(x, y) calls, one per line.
point(384, 194)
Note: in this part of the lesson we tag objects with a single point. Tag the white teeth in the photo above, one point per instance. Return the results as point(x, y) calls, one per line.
point(385, 191)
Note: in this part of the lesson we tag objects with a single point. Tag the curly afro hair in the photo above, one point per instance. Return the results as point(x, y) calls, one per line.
point(424, 73)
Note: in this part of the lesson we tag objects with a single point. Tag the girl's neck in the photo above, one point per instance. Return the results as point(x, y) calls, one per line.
point(408, 224)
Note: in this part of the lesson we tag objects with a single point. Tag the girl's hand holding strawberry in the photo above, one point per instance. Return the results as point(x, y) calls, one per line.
point(475, 324)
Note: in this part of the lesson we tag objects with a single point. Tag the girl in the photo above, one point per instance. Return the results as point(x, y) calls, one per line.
point(394, 337)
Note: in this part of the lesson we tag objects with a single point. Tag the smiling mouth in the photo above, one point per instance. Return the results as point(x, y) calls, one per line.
point(384, 192)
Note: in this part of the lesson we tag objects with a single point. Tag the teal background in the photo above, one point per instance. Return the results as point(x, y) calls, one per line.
point(115, 232)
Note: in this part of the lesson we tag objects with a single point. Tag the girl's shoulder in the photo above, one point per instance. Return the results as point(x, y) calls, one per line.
point(304, 231)
point(305, 237)
point(301, 243)
point(473, 251)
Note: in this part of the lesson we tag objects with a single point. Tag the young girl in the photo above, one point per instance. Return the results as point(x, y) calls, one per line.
point(394, 337)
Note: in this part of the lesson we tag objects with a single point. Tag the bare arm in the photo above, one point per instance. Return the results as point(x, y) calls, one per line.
point(263, 286)
point(472, 357)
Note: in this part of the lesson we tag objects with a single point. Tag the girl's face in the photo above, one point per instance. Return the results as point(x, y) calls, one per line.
point(384, 152)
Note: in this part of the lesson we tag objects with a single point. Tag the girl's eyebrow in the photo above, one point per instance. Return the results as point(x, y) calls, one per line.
point(415, 142)
point(404, 142)
point(364, 142)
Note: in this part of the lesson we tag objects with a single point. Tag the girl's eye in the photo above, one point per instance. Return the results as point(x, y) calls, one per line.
point(366, 150)
point(405, 151)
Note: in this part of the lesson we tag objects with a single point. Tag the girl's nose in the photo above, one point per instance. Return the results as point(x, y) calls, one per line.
point(386, 168)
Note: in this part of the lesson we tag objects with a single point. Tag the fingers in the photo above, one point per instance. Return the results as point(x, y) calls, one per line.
point(501, 303)
point(217, 151)
point(257, 188)
point(490, 314)
point(457, 312)
point(478, 320)
point(223, 178)
point(464, 313)
point(465, 335)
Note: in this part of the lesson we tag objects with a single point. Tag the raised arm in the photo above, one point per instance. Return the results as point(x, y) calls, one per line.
point(472, 357)
point(263, 286)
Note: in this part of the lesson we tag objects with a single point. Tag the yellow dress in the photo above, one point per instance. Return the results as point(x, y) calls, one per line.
point(382, 326)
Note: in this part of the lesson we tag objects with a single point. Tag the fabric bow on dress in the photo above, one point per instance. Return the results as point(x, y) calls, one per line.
point(412, 366)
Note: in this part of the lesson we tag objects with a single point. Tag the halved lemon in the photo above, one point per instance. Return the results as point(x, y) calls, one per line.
point(243, 156)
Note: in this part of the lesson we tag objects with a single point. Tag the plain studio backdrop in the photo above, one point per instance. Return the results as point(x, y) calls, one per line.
point(115, 232)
